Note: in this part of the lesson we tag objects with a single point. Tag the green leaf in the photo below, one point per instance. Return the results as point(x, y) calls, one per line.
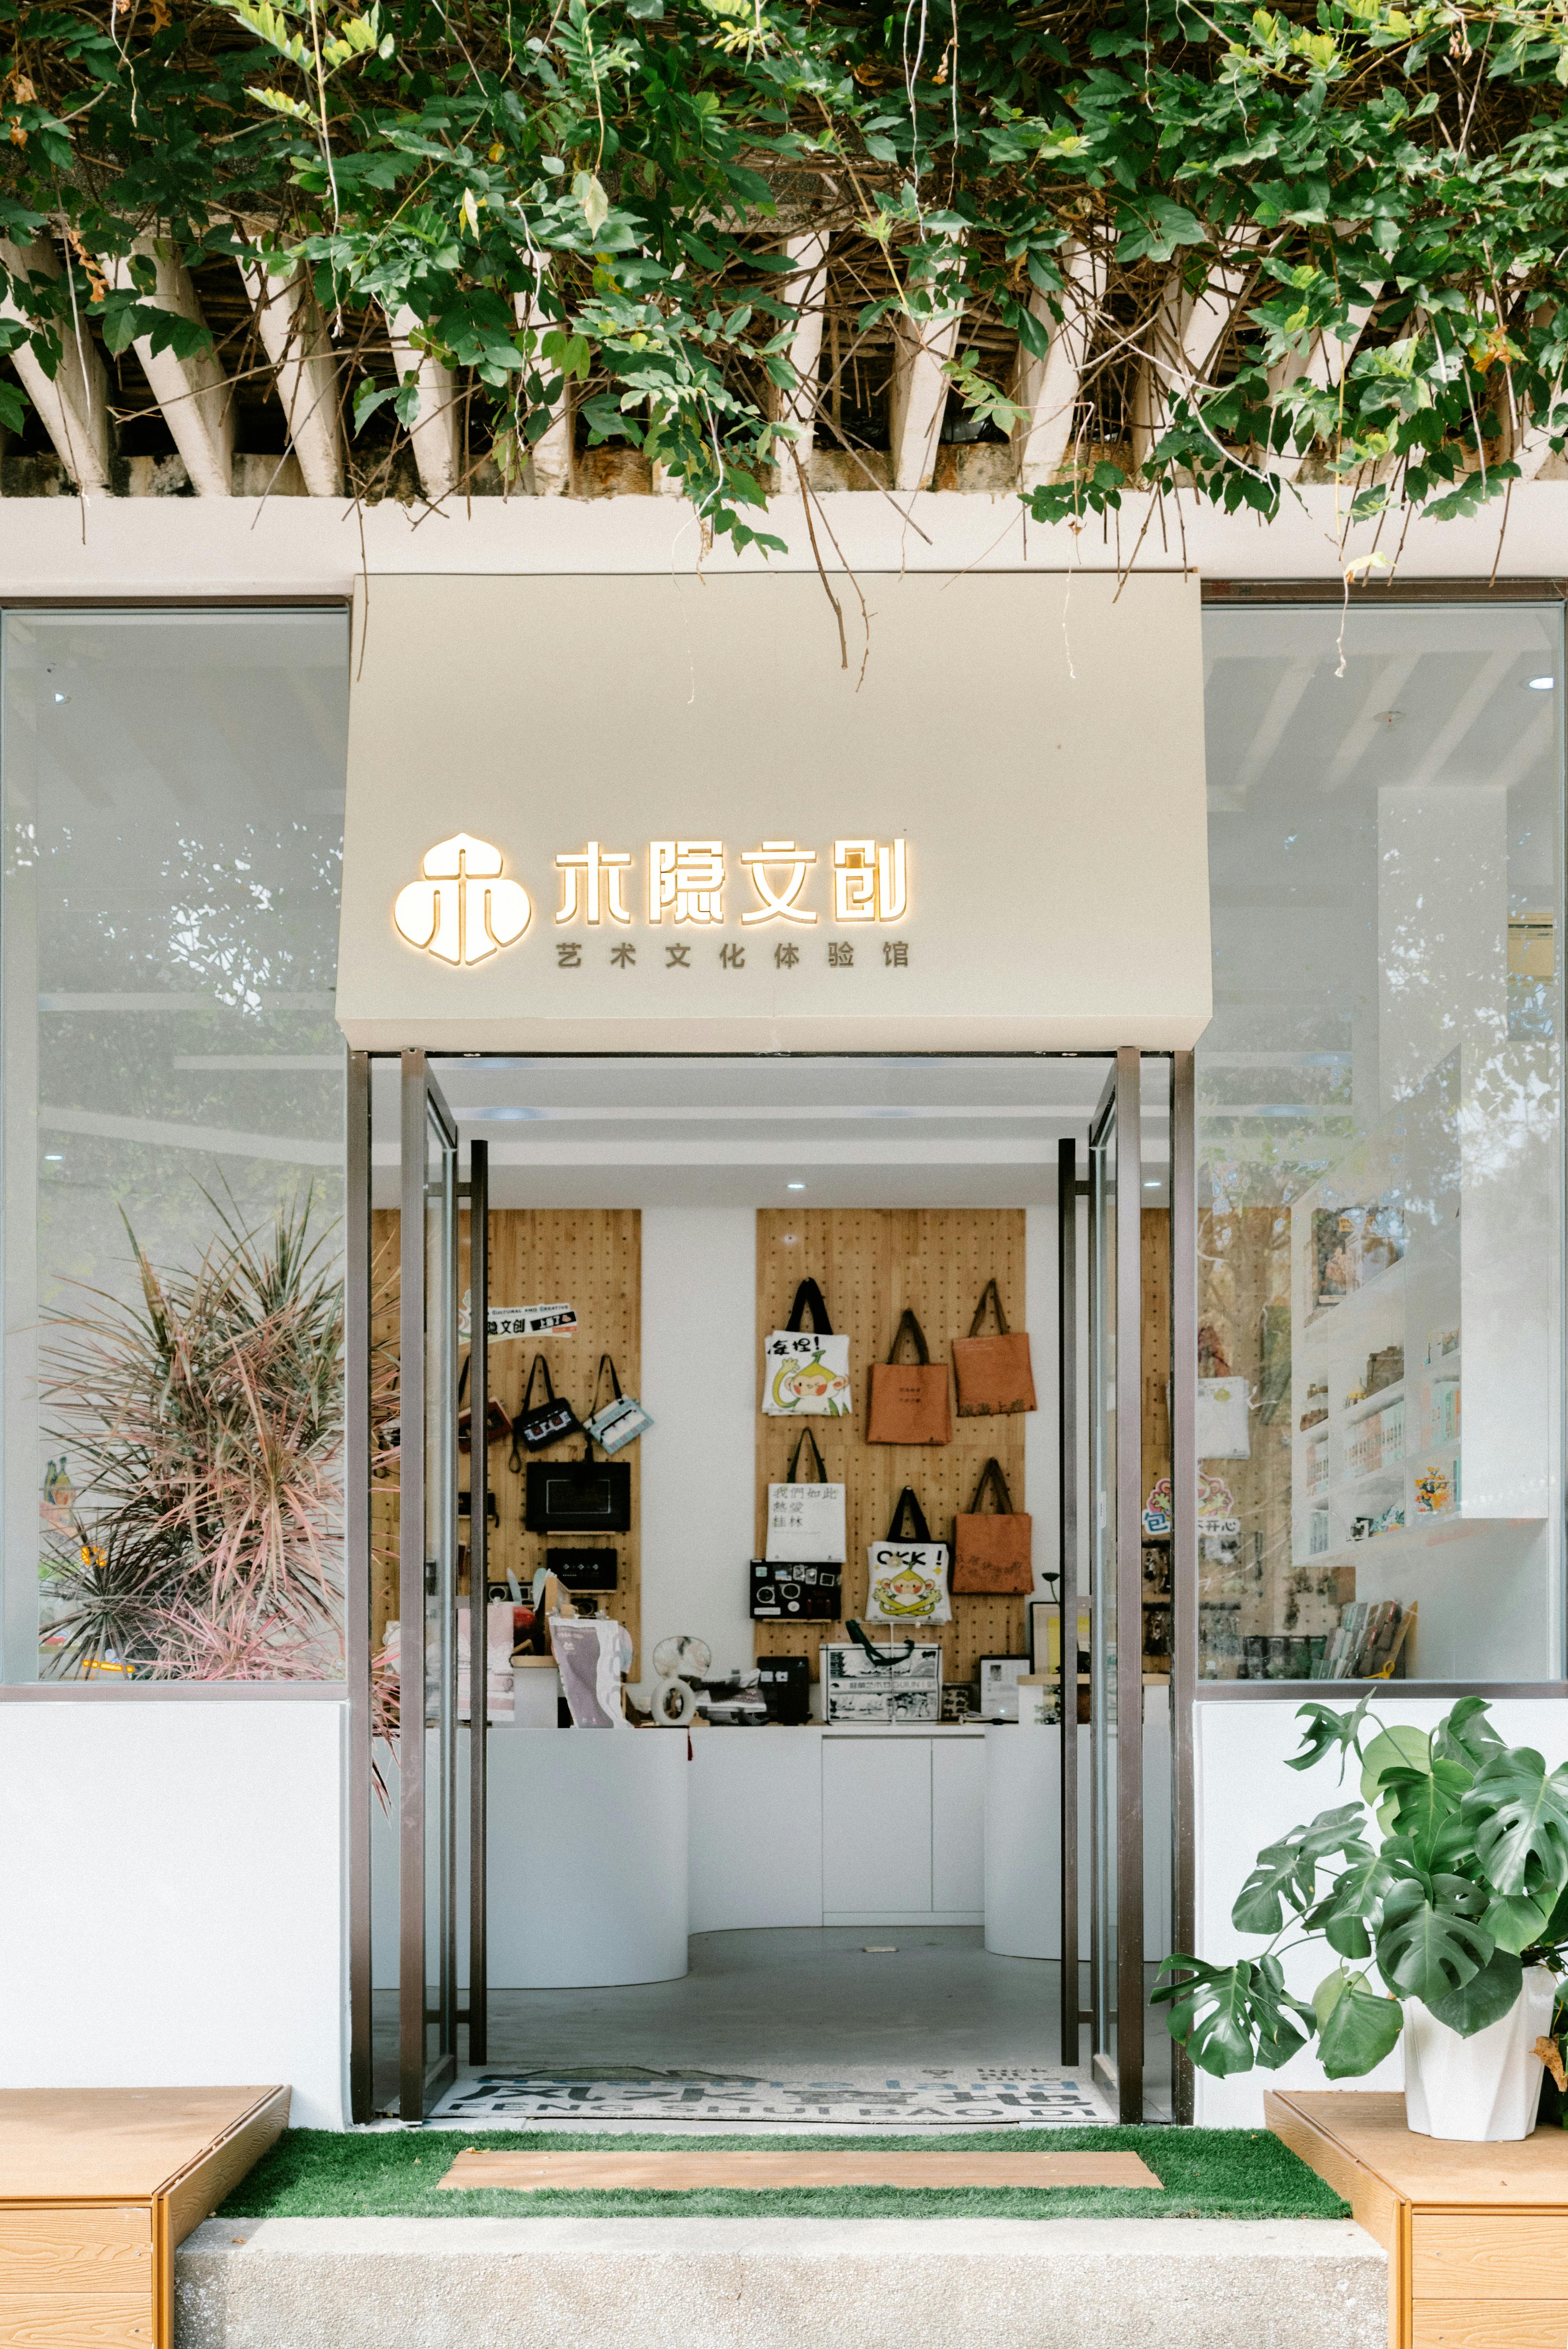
point(1286, 1871)
point(1425, 1947)
point(1211, 2014)
point(1485, 1998)
point(13, 407)
point(1359, 2028)
point(1327, 1731)
point(1400, 1747)
point(1518, 1816)
point(1466, 1735)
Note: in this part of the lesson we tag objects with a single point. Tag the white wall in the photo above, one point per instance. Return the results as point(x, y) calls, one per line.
point(172, 1898)
point(699, 1382)
point(1246, 1797)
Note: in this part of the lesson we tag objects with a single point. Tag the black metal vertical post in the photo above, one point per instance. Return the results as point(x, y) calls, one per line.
point(1183, 1518)
point(1129, 1585)
point(478, 1578)
point(357, 1581)
point(1068, 1581)
point(411, 1553)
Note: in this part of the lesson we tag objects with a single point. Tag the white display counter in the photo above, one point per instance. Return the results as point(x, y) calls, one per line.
point(608, 1847)
point(1023, 1836)
point(587, 1860)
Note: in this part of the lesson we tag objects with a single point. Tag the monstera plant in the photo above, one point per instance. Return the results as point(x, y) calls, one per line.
point(1442, 1892)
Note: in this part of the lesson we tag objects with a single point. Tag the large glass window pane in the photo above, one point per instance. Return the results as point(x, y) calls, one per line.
point(1379, 1131)
point(173, 1143)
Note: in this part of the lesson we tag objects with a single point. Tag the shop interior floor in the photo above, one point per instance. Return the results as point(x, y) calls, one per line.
point(608, 2170)
point(795, 2005)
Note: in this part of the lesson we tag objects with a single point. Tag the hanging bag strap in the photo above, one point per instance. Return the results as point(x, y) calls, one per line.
point(906, 1501)
point(806, 1436)
point(604, 1364)
point(992, 1475)
point(463, 1379)
point(993, 1294)
point(909, 1326)
point(888, 1658)
point(538, 1364)
point(809, 1300)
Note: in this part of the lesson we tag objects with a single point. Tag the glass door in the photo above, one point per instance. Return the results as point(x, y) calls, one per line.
point(1116, 1678)
point(427, 1546)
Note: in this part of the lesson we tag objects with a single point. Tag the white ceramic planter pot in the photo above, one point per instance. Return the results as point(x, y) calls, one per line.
point(1485, 2089)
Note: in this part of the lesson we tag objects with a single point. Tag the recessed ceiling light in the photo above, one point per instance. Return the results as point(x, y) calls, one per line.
point(54, 1158)
point(1152, 1186)
point(794, 1186)
point(61, 696)
point(1539, 684)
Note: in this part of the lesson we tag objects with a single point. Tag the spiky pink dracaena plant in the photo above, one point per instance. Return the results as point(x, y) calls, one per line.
point(208, 1424)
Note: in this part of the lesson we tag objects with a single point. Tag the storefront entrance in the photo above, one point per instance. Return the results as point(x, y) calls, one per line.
point(833, 1908)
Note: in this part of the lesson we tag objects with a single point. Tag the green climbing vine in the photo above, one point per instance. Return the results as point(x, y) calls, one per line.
point(1365, 200)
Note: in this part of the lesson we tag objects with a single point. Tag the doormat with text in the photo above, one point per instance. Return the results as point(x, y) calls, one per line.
point(1026, 2099)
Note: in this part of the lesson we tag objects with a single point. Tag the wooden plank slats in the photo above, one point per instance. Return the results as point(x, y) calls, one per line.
point(1477, 2235)
point(870, 1263)
point(76, 2320)
point(1464, 2255)
point(1490, 2325)
point(88, 2264)
point(758, 2171)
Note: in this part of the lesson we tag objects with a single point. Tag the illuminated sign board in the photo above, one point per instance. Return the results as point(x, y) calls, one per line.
point(465, 907)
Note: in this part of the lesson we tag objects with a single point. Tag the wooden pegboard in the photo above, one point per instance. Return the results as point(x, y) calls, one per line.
point(590, 1258)
point(870, 1263)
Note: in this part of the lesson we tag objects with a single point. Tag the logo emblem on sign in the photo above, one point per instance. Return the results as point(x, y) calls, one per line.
point(463, 910)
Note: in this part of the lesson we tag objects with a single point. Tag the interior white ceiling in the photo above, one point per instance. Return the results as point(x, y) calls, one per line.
point(864, 1132)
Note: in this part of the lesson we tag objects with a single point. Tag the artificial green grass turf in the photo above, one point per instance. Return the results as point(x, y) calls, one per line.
point(388, 2174)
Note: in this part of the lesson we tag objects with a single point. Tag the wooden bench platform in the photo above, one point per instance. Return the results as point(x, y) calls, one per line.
point(1477, 2235)
point(97, 2187)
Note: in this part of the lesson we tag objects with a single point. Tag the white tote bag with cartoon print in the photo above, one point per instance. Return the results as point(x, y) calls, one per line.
point(806, 1372)
point(906, 1582)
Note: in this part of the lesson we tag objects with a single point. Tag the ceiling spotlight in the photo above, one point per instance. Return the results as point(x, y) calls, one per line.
point(1152, 1186)
point(794, 1186)
point(1539, 684)
point(54, 1158)
point(61, 696)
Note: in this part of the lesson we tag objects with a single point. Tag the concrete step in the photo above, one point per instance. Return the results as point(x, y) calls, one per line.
point(779, 2284)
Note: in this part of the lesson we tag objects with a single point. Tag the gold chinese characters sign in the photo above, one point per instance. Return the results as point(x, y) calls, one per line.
point(465, 907)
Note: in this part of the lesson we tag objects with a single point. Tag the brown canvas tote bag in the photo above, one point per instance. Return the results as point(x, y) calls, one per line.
point(994, 1374)
point(991, 1553)
point(909, 1403)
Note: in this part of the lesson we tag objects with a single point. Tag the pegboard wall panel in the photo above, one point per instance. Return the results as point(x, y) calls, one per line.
point(870, 1263)
point(590, 1258)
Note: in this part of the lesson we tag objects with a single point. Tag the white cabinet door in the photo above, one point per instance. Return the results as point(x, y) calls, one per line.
point(876, 1828)
point(958, 1825)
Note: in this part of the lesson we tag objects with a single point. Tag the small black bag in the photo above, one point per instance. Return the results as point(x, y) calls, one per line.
point(799, 1594)
point(578, 1496)
point(539, 1423)
point(785, 1685)
point(584, 1569)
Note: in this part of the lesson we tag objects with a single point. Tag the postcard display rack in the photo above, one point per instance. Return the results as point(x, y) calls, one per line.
point(870, 1264)
point(1385, 1252)
point(590, 1256)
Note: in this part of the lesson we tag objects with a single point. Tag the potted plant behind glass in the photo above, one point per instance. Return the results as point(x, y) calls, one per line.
point(1461, 1903)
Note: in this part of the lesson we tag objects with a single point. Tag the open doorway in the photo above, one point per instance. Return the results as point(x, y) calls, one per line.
point(852, 1911)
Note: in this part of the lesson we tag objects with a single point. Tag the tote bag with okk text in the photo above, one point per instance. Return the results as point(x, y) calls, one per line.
point(907, 1580)
point(806, 1373)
